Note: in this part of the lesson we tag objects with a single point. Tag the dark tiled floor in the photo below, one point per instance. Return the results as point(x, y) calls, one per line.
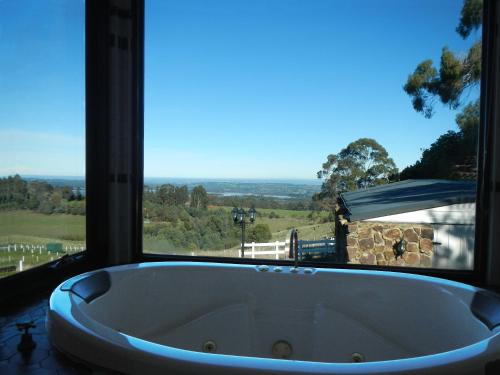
point(44, 359)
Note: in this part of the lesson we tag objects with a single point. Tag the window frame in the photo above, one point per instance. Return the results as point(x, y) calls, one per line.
point(98, 253)
point(47, 275)
point(476, 276)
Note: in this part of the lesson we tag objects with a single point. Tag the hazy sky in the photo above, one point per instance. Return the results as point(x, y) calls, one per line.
point(242, 89)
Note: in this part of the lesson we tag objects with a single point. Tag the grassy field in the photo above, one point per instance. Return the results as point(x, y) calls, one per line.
point(308, 228)
point(33, 229)
point(278, 211)
point(280, 225)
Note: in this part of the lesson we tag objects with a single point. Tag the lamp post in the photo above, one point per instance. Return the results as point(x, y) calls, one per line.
point(239, 215)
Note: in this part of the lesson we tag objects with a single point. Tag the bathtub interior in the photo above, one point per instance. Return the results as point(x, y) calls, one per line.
point(324, 316)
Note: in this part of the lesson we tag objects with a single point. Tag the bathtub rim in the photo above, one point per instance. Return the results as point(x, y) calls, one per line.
point(57, 315)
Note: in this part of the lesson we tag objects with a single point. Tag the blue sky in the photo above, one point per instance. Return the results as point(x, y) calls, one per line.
point(233, 89)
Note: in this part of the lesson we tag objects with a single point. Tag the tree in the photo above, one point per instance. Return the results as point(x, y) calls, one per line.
point(171, 195)
point(181, 195)
point(456, 72)
point(468, 119)
point(362, 164)
point(199, 198)
point(66, 192)
point(452, 155)
point(259, 233)
point(444, 159)
point(14, 192)
point(165, 195)
point(79, 195)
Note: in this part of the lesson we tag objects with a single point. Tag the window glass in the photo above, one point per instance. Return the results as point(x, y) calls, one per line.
point(42, 130)
point(350, 127)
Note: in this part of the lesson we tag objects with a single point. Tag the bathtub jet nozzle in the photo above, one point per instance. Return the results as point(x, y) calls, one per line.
point(209, 346)
point(282, 349)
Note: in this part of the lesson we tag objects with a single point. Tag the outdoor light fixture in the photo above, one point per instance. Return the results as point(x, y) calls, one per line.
point(252, 214)
point(238, 215)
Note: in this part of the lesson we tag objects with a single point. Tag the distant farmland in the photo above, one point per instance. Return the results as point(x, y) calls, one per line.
point(34, 228)
point(30, 232)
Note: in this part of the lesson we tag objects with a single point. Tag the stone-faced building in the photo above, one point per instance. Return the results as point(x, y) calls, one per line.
point(432, 220)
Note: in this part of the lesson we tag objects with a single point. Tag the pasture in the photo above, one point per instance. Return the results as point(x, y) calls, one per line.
point(30, 232)
point(34, 231)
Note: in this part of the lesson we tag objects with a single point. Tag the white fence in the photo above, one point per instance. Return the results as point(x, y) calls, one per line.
point(16, 247)
point(21, 256)
point(278, 249)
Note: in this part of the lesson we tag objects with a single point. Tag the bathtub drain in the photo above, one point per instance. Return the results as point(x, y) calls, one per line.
point(209, 346)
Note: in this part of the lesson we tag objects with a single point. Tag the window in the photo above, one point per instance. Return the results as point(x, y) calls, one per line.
point(42, 132)
point(350, 127)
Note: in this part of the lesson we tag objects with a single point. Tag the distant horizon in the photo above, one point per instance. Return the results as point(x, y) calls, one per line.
point(201, 179)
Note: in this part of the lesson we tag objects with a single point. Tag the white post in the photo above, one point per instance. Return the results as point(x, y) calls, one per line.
point(277, 249)
point(8, 248)
point(20, 265)
point(15, 248)
point(253, 250)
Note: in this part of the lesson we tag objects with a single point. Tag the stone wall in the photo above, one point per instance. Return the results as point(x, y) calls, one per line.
point(374, 243)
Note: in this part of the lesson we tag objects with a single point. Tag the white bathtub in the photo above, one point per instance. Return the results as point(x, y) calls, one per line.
point(158, 318)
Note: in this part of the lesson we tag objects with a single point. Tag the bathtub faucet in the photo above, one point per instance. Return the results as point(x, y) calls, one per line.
point(294, 248)
point(296, 255)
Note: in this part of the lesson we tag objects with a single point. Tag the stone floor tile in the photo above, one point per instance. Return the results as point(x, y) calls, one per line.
point(44, 359)
point(72, 371)
point(8, 348)
point(39, 326)
point(42, 341)
point(20, 318)
point(7, 352)
point(6, 322)
point(37, 313)
point(16, 370)
point(57, 361)
point(8, 332)
point(34, 357)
